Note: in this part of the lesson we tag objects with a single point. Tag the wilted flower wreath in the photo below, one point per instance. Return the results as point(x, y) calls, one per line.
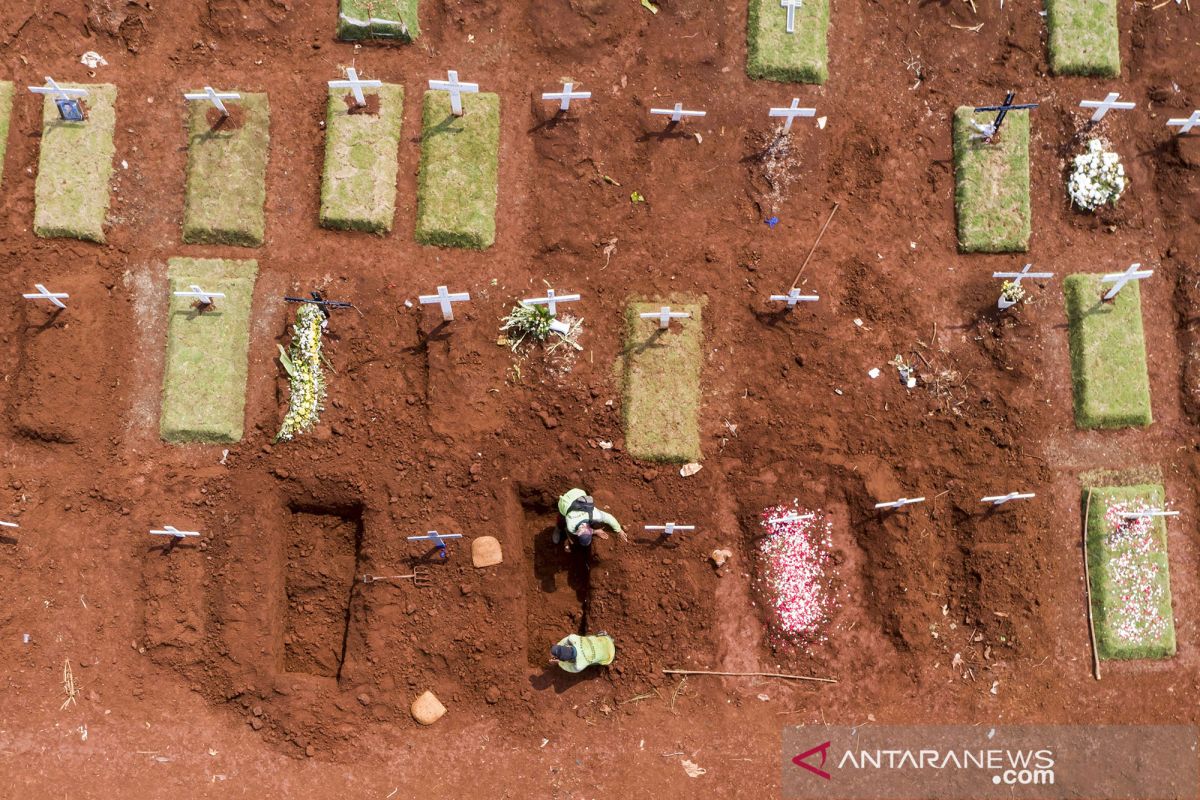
point(304, 371)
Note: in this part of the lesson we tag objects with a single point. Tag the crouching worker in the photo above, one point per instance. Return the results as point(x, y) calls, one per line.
point(579, 518)
point(576, 653)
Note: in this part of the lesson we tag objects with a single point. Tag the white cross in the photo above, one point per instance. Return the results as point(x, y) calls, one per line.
point(677, 113)
point(1122, 278)
point(903, 501)
point(1186, 125)
point(9, 525)
point(790, 518)
point(171, 530)
point(1017, 277)
point(1149, 512)
point(356, 86)
point(664, 316)
point(205, 298)
point(45, 294)
point(791, 6)
point(444, 298)
point(59, 92)
point(213, 96)
point(456, 90)
point(999, 500)
point(551, 301)
point(670, 528)
point(791, 112)
point(1104, 106)
point(793, 296)
point(565, 97)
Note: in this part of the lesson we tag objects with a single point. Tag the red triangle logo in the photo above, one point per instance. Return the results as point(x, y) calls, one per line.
point(823, 749)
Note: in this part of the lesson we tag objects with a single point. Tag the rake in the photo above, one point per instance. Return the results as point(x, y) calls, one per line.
point(419, 577)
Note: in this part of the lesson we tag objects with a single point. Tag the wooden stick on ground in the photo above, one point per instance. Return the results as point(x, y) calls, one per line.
point(1087, 579)
point(748, 675)
point(814, 247)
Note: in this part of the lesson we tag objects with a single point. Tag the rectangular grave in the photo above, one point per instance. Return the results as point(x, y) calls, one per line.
point(322, 551)
point(775, 54)
point(204, 380)
point(226, 173)
point(456, 187)
point(1108, 354)
point(358, 191)
point(1083, 37)
point(75, 166)
point(560, 582)
point(662, 384)
point(6, 98)
point(991, 193)
point(1130, 576)
point(385, 20)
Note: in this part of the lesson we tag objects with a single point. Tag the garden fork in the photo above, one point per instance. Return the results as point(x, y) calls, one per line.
point(419, 577)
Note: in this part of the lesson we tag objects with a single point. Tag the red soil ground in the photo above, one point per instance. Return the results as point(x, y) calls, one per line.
point(250, 663)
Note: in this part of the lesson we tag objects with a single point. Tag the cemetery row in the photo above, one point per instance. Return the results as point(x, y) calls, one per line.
point(228, 142)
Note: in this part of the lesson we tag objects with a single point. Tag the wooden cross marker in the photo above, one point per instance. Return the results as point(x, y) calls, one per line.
point(551, 301)
point(999, 500)
point(903, 501)
point(43, 293)
point(1104, 106)
point(677, 113)
point(791, 6)
point(444, 299)
point(65, 99)
point(213, 96)
point(205, 298)
point(171, 530)
point(565, 97)
point(791, 112)
point(1186, 125)
point(670, 528)
point(456, 90)
point(356, 86)
point(793, 296)
point(664, 316)
point(1122, 278)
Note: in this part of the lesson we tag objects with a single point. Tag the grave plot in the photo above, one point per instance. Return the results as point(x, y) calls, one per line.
point(6, 99)
point(358, 190)
point(226, 172)
point(1084, 38)
point(74, 167)
point(456, 186)
point(788, 42)
point(465, 371)
point(174, 617)
point(385, 20)
point(1108, 354)
point(204, 379)
point(559, 584)
point(662, 384)
point(991, 183)
point(1129, 572)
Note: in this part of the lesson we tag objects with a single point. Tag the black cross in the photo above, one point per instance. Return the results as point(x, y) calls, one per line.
point(321, 302)
point(1003, 111)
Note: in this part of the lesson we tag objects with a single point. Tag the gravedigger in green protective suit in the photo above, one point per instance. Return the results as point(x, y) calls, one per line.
point(579, 518)
point(576, 653)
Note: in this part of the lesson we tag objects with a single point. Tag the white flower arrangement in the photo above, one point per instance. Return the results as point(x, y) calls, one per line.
point(1097, 179)
point(304, 370)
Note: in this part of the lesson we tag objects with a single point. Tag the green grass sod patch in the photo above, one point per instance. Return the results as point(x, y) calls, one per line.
point(204, 382)
point(74, 168)
point(358, 191)
point(1083, 37)
point(662, 384)
point(991, 193)
point(456, 188)
point(6, 98)
point(1130, 576)
point(1108, 354)
point(378, 19)
point(226, 175)
point(775, 54)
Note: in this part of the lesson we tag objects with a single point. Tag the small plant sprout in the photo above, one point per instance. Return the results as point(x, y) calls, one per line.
point(1097, 178)
point(303, 367)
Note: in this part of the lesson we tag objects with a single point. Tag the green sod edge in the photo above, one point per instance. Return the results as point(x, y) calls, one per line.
point(1084, 38)
point(6, 98)
point(226, 176)
point(355, 12)
point(358, 190)
point(991, 184)
point(774, 54)
point(71, 194)
point(662, 384)
point(1099, 556)
point(1108, 354)
point(204, 381)
point(456, 187)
